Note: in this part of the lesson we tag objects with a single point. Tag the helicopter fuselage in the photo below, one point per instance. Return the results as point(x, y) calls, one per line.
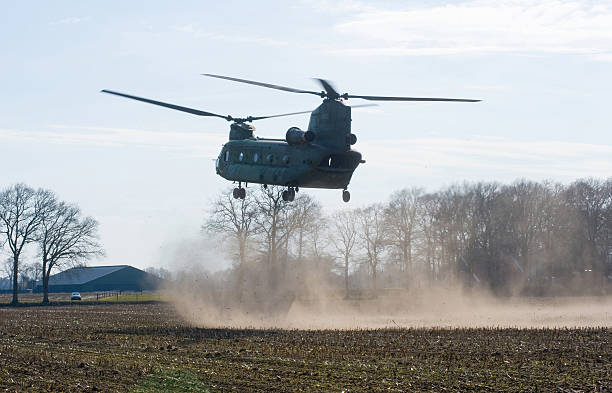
point(321, 157)
point(276, 162)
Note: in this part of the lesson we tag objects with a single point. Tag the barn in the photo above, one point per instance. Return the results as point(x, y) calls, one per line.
point(101, 278)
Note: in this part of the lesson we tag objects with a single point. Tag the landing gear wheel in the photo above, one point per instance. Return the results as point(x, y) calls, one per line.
point(290, 194)
point(239, 193)
point(286, 196)
point(346, 196)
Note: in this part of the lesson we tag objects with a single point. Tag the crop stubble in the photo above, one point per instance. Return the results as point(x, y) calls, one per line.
point(113, 347)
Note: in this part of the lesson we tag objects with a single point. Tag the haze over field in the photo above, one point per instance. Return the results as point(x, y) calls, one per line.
point(430, 308)
point(476, 255)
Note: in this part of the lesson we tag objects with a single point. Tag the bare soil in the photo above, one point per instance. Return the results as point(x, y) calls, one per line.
point(140, 347)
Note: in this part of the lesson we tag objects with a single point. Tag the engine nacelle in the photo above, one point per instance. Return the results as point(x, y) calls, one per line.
point(295, 136)
point(240, 131)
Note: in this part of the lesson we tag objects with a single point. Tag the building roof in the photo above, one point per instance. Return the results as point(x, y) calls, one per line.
point(81, 275)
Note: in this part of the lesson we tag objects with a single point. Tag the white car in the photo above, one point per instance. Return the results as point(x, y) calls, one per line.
point(75, 296)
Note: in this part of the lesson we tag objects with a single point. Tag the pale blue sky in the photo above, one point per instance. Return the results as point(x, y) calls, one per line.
point(543, 69)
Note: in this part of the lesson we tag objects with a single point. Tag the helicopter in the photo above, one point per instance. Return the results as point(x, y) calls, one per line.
point(319, 157)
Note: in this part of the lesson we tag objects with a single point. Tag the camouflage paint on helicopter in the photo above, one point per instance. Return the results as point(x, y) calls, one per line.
point(320, 157)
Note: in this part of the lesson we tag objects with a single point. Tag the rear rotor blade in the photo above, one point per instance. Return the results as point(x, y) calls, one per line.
point(251, 118)
point(362, 105)
point(268, 85)
point(329, 89)
point(167, 105)
point(379, 98)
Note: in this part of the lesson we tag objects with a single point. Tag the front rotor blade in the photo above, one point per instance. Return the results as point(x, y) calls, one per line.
point(268, 85)
point(165, 104)
point(379, 98)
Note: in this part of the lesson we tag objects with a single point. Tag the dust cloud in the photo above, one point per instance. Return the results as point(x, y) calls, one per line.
point(213, 301)
point(481, 254)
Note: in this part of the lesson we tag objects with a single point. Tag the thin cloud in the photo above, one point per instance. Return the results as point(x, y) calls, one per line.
point(250, 39)
point(480, 27)
point(69, 21)
point(206, 144)
point(424, 157)
point(497, 156)
point(336, 6)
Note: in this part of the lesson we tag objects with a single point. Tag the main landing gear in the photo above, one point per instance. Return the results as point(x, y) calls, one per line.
point(346, 196)
point(289, 194)
point(239, 192)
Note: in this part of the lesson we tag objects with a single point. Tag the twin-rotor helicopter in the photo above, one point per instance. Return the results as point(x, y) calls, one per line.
point(320, 157)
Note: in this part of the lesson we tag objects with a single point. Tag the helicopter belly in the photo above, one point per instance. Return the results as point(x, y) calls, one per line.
point(327, 178)
point(290, 176)
point(305, 177)
point(273, 175)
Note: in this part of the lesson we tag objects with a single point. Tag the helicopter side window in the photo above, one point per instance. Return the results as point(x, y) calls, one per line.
point(255, 157)
point(227, 155)
point(286, 159)
point(270, 157)
point(241, 156)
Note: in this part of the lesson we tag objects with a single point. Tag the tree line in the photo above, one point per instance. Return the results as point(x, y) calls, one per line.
point(58, 230)
point(526, 237)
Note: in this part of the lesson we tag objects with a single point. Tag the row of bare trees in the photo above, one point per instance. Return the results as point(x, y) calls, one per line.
point(58, 230)
point(525, 236)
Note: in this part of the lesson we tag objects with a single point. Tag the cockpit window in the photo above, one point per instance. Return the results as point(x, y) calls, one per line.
point(227, 155)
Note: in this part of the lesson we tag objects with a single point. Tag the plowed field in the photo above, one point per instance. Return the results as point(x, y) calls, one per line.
point(147, 347)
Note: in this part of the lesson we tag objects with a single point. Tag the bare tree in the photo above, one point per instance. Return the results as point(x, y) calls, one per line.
point(402, 224)
point(6, 268)
point(64, 237)
point(30, 274)
point(236, 218)
point(344, 237)
point(428, 208)
point(275, 224)
point(307, 214)
point(525, 200)
point(373, 235)
point(160, 272)
point(20, 209)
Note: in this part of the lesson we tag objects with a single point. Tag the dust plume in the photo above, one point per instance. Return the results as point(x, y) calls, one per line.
point(525, 254)
point(209, 301)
